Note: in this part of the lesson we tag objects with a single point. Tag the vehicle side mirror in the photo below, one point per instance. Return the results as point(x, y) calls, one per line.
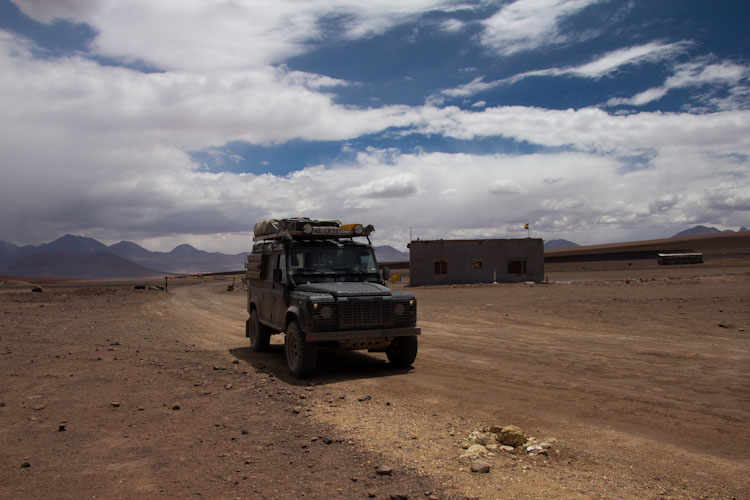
point(277, 275)
point(386, 273)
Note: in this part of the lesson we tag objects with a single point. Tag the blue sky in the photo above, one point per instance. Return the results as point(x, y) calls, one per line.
point(162, 123)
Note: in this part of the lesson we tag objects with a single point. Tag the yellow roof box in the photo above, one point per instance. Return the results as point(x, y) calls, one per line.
point(356, 230)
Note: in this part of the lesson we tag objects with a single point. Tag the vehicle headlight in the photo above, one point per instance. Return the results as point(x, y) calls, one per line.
point(399, 309)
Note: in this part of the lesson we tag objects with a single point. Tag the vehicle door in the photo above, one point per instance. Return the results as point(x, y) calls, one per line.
point(277, 295)
point(264, 288)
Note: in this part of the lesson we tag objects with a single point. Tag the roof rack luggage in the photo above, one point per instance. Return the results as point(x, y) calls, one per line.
point(304, 228)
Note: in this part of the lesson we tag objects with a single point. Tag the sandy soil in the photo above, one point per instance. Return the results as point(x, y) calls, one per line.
point(641, 376)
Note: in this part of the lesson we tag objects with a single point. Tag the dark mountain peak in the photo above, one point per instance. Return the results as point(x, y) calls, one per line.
point(73, 244)
point(559, 244)
point(130, 250)
point(386, 253)
point(7, 245)
point(186, 250)
point(697, 231)
point(128, 245)
point(742, 229)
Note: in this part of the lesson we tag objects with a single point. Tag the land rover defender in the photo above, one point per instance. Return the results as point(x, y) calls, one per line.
point(310, 279)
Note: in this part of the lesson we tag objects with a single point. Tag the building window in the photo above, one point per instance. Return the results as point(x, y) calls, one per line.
point(476, 263)
point(441, 266)
point(517, 267)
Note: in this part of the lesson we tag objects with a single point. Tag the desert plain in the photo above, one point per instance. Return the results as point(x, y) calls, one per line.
point(635, 376)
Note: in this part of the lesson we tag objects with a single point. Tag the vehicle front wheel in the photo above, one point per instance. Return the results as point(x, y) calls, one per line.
point(301, 356)
point(260, 335)
point(403, 351)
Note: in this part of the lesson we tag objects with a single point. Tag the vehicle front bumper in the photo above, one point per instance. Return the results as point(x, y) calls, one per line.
point(363, 334)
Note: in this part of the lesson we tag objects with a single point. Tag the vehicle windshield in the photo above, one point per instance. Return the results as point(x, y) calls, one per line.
point(333, 262)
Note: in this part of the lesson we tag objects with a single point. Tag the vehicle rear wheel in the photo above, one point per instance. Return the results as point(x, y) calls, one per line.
point(260, 335)
point(403, 351)
point(301, 356)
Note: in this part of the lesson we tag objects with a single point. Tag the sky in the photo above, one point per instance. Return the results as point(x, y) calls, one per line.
point(186, 121)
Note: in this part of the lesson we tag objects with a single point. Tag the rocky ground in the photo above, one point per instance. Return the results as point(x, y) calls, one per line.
point(611, 386)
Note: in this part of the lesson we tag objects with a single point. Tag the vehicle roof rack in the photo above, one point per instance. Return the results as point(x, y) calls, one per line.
point(304, 228)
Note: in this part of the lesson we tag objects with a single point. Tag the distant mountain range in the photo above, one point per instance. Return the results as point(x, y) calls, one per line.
point(387, 253)
point(701, 230)
point(79, 257)
point(559, 244)
point(693, 231)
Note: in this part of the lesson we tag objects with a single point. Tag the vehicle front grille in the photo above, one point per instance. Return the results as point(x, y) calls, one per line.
point(361, 313)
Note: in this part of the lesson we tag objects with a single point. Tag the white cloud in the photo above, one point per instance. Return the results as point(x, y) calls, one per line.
point(601, 66)
point(505, 187)
point(592, 129)
point(529, 24)
point(397, 186)
point(700, 73)
point(216, 35)
point(103, 150)
point(452, 25)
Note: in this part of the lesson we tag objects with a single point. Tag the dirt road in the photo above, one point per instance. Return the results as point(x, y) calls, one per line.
point(648, 380)
point(644, 384)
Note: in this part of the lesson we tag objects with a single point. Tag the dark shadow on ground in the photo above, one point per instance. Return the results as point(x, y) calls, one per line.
point(332, 368)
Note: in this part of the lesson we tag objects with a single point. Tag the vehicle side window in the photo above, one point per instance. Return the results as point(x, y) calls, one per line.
point(264, 266)
point(282, 265)
point(276, 261)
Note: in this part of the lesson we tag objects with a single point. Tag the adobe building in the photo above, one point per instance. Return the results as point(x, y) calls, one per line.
point(437, 262)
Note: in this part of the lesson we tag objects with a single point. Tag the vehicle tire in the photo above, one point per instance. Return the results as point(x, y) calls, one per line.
point(403, 351)
point(301, 356)
point(260, 335)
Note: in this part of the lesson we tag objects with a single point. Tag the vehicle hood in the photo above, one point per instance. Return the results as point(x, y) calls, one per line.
point(345, 289)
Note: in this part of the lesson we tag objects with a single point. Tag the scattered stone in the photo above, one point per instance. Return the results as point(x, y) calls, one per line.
point(326, 440)
point(399, 496)
point(364, 398)
point(37, 289)
point(473, 453)
point(114, 342)
point(382, 470)
point(296, 410)
point(219, 368)
point(507, 448)
point(62, 427)
point(115, 404)
point(176, 406)
point(39, 407)
point(26, 464)
point(511, 435)
point(141, 408)
point(480, 466)
point(2, 405)
point(227, 386)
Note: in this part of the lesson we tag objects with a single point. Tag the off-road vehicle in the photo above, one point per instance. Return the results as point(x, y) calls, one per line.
point(310, 279)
